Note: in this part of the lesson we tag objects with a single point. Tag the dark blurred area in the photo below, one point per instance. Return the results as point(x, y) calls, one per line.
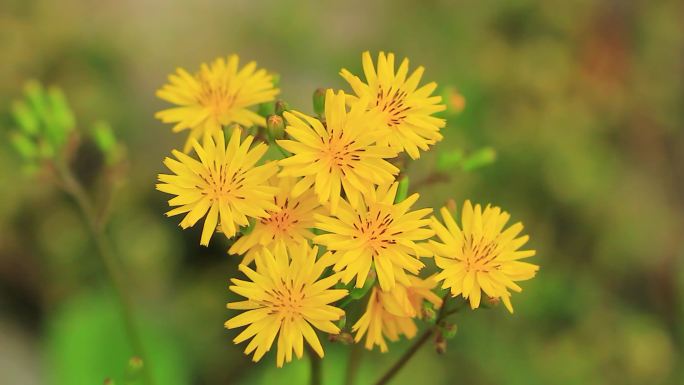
point(582, 102)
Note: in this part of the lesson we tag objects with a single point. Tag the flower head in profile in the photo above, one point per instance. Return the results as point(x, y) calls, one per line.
point(289, 226)
point(407, 110)
point(285, 297)
point(377, 233)
point(480, 256)
point(390, 314)
point(224, 185)
point(339, 154)
point(219, 94)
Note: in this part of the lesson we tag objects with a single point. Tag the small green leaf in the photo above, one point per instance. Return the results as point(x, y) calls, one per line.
point(27, 121)
point(24, 146)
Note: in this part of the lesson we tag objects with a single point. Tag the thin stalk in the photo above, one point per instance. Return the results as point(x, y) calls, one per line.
point(114, 270)
point(353, 364)
point(316, 369)
point(413, 349)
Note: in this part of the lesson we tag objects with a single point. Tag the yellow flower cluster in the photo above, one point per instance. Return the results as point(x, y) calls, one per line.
point(327, 217)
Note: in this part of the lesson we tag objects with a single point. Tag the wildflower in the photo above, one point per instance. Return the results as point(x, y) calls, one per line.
point(225, 185)
point(481, 256)
point(287, 226)
point(377, 232)
point(218, 95)
point(391, 313)
point(286, 297)
point(341, 154)
point(406, 109)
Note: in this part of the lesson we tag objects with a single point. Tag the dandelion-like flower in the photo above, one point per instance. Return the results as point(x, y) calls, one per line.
point(219, 94)
point(286, 297)
point(340, 154)
point(406, 109)
point(389, 314)
point(225, 184)
point(288, 226)
point(379, 233)
point(481, 256)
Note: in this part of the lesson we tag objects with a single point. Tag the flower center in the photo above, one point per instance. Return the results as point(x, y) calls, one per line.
point(480, 255)
point(217, 185)
point(286, 300)
point(216, 97)
point(375, 230)
point(392, 102)
point(281, 222)
point(340, 154)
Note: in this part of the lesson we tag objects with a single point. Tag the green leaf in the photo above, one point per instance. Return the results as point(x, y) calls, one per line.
point(24, 117)
point(24, 146)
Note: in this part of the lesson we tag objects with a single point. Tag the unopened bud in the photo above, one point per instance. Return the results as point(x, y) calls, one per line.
point(281, 106)
point(342, 322)
point(428, 312)
point(319, 101)
point(492, 301)
point(451, 205)
point(108, 381)
point(275, 125)
point(440, 344)
point(449, 331)
point(344, 338)
point(135, 363)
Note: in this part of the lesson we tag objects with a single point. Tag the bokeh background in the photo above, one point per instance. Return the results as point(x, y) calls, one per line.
point(582, 102)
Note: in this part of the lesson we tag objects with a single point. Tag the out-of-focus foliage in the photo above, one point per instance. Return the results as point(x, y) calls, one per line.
point(578, 105)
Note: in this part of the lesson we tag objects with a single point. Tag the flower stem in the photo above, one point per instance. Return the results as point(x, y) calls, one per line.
point(353, 364)
point(316, 369)
point(114, 270)
point(413, 349)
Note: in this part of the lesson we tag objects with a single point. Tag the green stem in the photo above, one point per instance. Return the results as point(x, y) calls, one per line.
point(114, 270)
point(353, 364)
point(316, 369)
point(413, 349)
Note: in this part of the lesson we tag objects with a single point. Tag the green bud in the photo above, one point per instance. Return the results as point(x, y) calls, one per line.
point(319, 101)
point(275, 127)
point(428, 311)
point(402, 189)
point(275, 79)
point(342, 322)
point(281, 106)
point(449, 330)
point(447, 160)
point(480, 158)
point(135, 364)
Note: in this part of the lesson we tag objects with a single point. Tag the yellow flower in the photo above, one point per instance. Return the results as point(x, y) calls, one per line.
point(377, 232)
point(286, 297)
point(288, 226)
point(340, 154)
point(481, 256)
point(390, 313)
point(407, 110)
point(218, 95)
point(224, 184)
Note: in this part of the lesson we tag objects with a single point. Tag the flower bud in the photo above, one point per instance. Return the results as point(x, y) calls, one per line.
point(319, 101)
point(440, 344)
point(449, 330)
point(281, 106)
point(275, 126)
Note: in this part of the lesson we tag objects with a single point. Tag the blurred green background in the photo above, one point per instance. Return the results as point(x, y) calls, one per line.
point(582, 102)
